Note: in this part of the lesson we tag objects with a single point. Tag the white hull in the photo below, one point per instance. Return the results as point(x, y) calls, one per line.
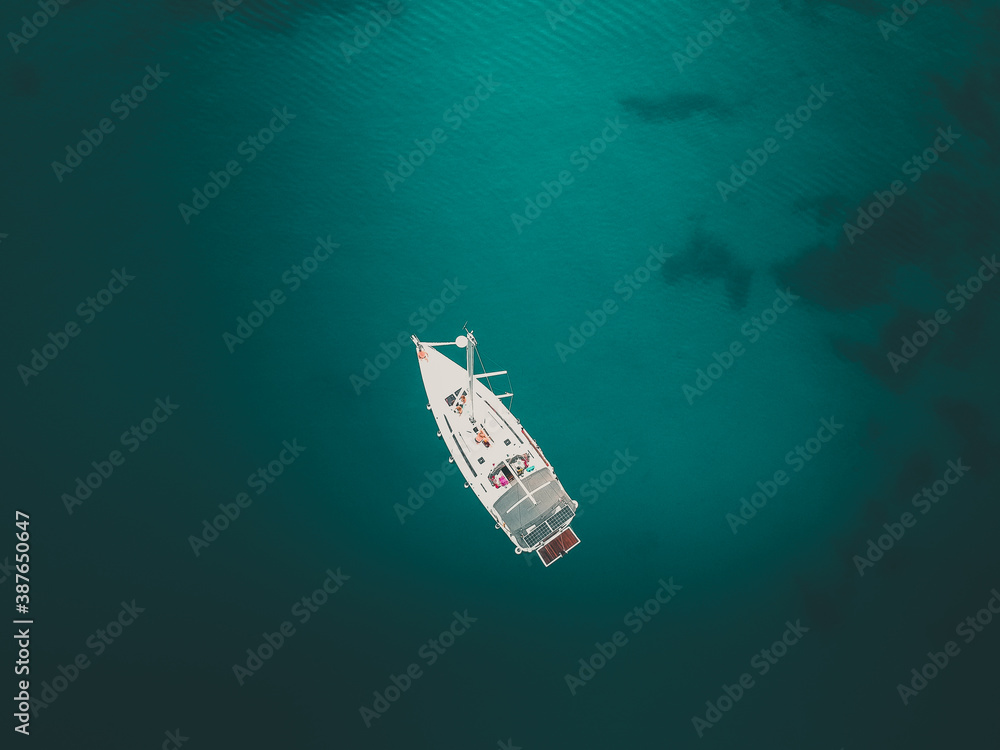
point(500, 461)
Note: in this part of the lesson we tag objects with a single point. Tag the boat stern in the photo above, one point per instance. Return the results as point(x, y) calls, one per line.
point(558, 546)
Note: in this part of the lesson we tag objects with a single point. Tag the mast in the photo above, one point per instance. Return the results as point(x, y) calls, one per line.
point(471, 367)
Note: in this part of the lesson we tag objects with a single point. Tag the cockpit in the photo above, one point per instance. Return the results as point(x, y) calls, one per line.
point(504, 474)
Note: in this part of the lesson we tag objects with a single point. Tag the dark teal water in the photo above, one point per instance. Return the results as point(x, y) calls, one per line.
point(763, 318)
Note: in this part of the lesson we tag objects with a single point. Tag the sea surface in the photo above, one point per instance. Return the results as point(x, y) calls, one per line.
point(739, 259)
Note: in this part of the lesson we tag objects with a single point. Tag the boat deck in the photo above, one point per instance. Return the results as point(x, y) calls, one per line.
point(534, 508)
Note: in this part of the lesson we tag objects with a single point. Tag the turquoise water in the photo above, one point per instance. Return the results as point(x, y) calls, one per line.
point(646, 230)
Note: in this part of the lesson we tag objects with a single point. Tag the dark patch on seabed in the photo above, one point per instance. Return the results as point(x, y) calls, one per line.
point(674, 107)
point(943, 225)
point(706, 258)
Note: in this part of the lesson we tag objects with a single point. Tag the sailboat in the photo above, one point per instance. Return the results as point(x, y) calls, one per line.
point(500, 461)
